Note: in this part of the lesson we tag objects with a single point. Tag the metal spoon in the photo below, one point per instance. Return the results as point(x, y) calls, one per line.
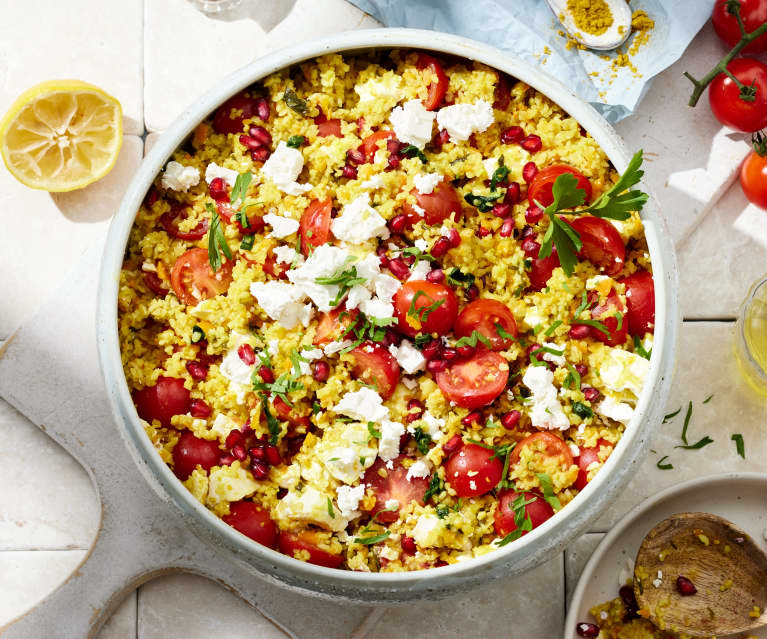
point(616, 33)
point(721, 562)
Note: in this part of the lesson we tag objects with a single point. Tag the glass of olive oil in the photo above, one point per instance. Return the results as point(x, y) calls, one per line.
point(751, 337)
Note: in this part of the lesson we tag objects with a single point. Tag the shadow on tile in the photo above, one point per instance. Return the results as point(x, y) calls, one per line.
point(267, 13)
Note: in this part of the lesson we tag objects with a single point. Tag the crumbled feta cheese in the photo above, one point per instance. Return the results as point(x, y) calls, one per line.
point(386, 286)
point(348, 499)
point(412, 123)
point(373, 183)
point(310, 506)
point(148, 267)
point(223, 425)
point(287, 255)
point(408, 357)
point(364, 404)
point(388, 553)
point(356, 296)
point(546, 411)
point(311, 354)
point(178, 177)
point(421, 245)
point(386, 88)
point(532, 318)
point(334, 347)
point(490, 164)
point(593, 282)
point(419, 271)
point(614, 409)
point(391, 504)
point(624, 370)
point(348, 463)
point(388, 444)
point(378, 309)
point(433, 425)
point(281, 226)
point(426, 182)
point(575, 450)
point(559, 360)
point(229, 483)
point(283, 168)
point(359, 222)
point(409, 382)
point(419, 469)
point(325, 261)
point(282, 302)
point(461, 120)
point(233, 368)
point(428, 530)
point(214, 171)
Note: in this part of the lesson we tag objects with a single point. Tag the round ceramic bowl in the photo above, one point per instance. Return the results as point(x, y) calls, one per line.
point(515, 558)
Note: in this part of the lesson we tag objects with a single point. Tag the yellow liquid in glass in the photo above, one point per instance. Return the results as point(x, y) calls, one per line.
point(752, 349)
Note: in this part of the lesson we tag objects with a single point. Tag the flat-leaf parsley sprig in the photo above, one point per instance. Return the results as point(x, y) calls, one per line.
point(615, 204)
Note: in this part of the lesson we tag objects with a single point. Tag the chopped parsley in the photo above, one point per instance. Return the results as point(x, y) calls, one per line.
point(412, 151)
point(472, 340)
point(687, 417)
point(458, 278)
point(271, 420)
point(482, 203)
point(740, 445)
point(697, 445)
point(499, 175)
point(296, 141)
point(422, 340)
point(583, 411)
point(416, 253)
point(296, 358)
point(247, 242)
point(331, 512)
point(708, 399)
point(435, 486)
point(594, 324)
point(640, 350)
point(374, 434)
point(344, 279)
point(240, 189)
point(664, 466)
point(502, 332)
point(316, 408)
point(671, 416)
point(422, 440)
point(584, 303)
point(197, 334)
point(550, 330)
point(216, 241)
point(374, 539)
point(442, 511)
point(422, 312)
point(368, 328)
point(573, 379)
point(283, 385)
point(522, 520)
point(547, 487)
point(294, 102)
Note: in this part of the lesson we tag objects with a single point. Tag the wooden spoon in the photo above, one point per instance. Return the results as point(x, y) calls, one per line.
point(723, 564)
point(616, 34)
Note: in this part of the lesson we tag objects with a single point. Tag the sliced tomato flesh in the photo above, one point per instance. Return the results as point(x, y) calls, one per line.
point(474, 382)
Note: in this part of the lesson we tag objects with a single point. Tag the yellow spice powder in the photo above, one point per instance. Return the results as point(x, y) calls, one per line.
point(591, 16)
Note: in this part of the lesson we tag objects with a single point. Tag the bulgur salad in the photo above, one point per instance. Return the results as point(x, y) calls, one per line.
point(387, 312)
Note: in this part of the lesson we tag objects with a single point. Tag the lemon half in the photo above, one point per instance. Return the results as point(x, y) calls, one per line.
point(61, 135)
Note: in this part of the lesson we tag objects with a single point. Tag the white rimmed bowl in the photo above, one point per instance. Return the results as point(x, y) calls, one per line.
point(515, 558)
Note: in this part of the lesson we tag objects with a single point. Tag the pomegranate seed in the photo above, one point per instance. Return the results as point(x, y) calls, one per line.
point(501, 209)
point(436, 365)
point(466, 350)
point(258, 453)
point(218, 190)
point(249, 142)
point(628, 597)
point(507, 228)
point(443, 136)
point(259, 470)
point(393, 162)
point(527, 232)
point(449, 353)
point(197, 371)
point(233, 438)
point(483, 232)
point(266, 375)
point(260, 155)
point(533, 214)
point(262, 109)
point(512, 194)
point(409, 260)
point(408, 545)
point(587, 630)
point(355, 156)
point(436, 276)
point(685, 587)
point(452, 445)
point(226, 460)
point(512, 135)
point(246, 354)
point(391, 337)
point(393, 146)
point(454, 238)
point(199, 409)
point(511, 419)
point(531, 247)
point(472, 292)
point(321, 371)
point(529, 171)
point(441, 246)
point(398, 268)
point(383, 261)
point(239, 452)
point(579, 331)
point(349, 172)
point(414, 403)
point(397, 223)
point(273, 455)
point(591, 394)
point(261, 135)
point(431, 349)
point(531, 144)
point(471, 418)
point(581, 369)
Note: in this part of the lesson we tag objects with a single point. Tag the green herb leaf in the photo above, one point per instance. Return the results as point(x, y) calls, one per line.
point(294, 102)
point(740, 445)
point(247, 242)
point(197, 334)
point(442, 511)
point(583, 411)
point(687, 417)
point(482, 202)
point(457, 278)
point(640, 350)
point(584, 304)
point(472, 340)
point(296, 141)
point(594, 324)
point(435, 486)
point(547, 486)
point(374, 434)
point(708, 399)
point(499, 175)
point(671, 416)
point(240, 189)
point(522, 520)
point(216, 241)
point(697, 445)
point(422, 441)
point(331, 512)
point(550, 330)
point(502, 333)
point(614, 203)
point(664, 466)
point(367, 541)
point(413, 151)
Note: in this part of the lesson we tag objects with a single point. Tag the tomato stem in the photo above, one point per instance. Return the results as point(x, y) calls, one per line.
point(759, 142)
point(747, 95)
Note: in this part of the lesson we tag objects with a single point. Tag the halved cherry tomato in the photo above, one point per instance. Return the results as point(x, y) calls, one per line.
point(252, 521)
point(729, 108)
point(587, 457)
point(193, 279)
point(371, 143)
point(392, 483)
point(170, 221)
point(484, 316)
point(155, 284)
point(602, 244)
point(328, 127)
point(752, 12)
point(547, 445)
point(315, 225)
point(229, 117)
point(538, 510)
point(438, 205)
point(278, 270)
point(439, 83)
point(225, 210)
point(640, 299)
point(191, 451)
point(543, 183)
point(476, 381)
point(289, 543)
point(293, 414)
point(607, 314)
point(753, 179)
point(333, 324)
point(473, 471)
point(375, 365)
point(541, 269)
point(166, 398)
point(425, 307)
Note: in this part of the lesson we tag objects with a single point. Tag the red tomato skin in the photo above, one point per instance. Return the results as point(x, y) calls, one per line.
point(277, 270)
point(395, 485)
point(190, 452)
point(470, 459)
point(439, 83)
point(728, 108)
point(289, 542)
point(438, 205)
point(753, 13)
point(587, 457)
point(224, 122)
point(375, 365)
point(314, 227)
point(539, 511)
point(541, 270)
point(170, 221)
point(195, 264)
point(543, 182)
point(474, 382)
point(252, 521)
point(440, 320)
point(332, 325)
point(166, 398)
point(753, 179)
point(327, 128)
point(370, 145)
point(553, 447)
point(640, 300)
point(607, 314)
point(602, 244)
point(482, 315)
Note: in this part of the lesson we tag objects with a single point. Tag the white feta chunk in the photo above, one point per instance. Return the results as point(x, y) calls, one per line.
point(388, 444)
point(334, 347)
point(311, 506)
point(377, 309)
point(281, 226)
point(546, 411)
point(223, 425)
point(461, 120)
point(412, 123)
point(178, 177)
point(348, 500)
point(420, 469)
point(408, 357)
point(624, 370)
point(425, 183)
point(614, 409)
point(384, 88)
point(559, 360)
point(325, 261)
point(391, 504)
point(287, 255)
point(214, 171)
point(373, 183)
point(420, 270)
point(386, 286)
point(283, 167)
point(428, 530)
point(282, 302)
point(359, 222)
point(490, 164)
point(364, 404)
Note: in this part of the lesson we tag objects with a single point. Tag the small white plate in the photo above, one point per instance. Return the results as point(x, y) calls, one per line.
point(738, 497)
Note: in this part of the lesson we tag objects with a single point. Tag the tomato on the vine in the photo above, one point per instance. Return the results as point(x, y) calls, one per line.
point(753, 179)
point(753, 14)
point(727, 104)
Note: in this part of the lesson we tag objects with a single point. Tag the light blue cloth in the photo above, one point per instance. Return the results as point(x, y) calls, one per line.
point(525, 28)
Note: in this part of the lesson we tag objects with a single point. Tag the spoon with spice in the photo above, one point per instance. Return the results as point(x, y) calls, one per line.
point(596, 24)
point(699, 574)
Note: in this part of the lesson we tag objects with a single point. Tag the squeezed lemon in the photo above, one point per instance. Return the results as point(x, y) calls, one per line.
point(751, 338)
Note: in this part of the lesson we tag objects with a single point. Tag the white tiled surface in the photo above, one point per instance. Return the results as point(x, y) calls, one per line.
point(49, 514)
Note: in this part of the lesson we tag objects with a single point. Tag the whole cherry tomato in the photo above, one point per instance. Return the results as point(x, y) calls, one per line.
point(473, 471)
point(252, 521)
point(191, 451)
point(425, 307)
point(474, 382)
point(753, 14)
point(230, 116)
point(753, 179)
point(486, 316)
point(540, 190)
point(727, 105)
point(166, 398)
